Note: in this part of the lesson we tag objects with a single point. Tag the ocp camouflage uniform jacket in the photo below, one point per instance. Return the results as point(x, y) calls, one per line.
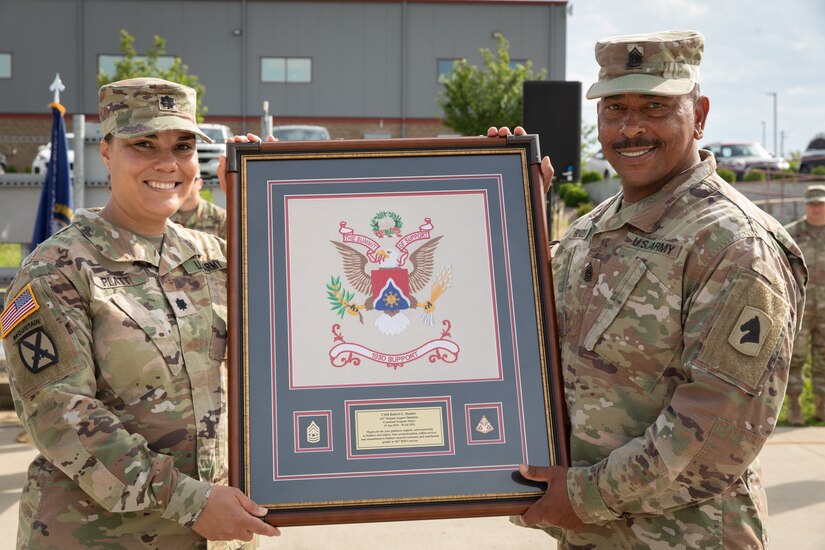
point(207, 217)
point(119, 378)
point(809, 239)
point(677, 316)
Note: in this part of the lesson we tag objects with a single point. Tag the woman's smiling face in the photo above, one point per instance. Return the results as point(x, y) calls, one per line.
point(151, 178)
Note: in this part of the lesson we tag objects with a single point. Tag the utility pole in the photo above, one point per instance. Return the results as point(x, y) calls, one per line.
point(775, 141)
point(266, 122)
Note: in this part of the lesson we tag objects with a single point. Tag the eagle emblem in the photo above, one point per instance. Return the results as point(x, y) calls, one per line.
point(390, 280)
point(383, 276)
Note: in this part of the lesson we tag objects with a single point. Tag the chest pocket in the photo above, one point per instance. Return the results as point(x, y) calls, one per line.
point(217, 291)
point(639, 328)
point(150, 362)
point(561, 273)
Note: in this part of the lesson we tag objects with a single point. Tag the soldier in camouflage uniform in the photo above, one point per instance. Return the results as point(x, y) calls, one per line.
point(200, 214)
point(115, 333)
point(677, 303)
point(809, 234)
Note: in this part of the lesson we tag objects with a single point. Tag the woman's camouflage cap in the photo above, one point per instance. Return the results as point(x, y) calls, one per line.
point(660, 63)
point(142, 106)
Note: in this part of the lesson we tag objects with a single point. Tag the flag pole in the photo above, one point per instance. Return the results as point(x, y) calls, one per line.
point(55, 207)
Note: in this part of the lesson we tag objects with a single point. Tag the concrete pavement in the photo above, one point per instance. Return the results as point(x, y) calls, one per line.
point(793, 467)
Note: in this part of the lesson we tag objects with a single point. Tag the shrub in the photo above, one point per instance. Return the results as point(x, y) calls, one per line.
point(818, 171)
point(591, 175)
point(584, 209)
point(575, 196)
point(754, 176)
point(727, 175)
point(11, 169)
point(564, 188)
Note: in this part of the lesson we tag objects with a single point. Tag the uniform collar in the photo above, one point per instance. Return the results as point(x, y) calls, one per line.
point(121, 245)
point(645, 214)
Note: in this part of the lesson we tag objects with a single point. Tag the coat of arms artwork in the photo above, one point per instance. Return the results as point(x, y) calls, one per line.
point(393, 281)
point(390, 351)
point(407, 294)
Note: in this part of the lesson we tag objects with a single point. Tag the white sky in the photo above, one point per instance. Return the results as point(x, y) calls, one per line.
point(752, 47)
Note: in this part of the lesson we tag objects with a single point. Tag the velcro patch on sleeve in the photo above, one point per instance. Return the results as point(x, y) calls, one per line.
point(39, 349)
point(742, 342)
point(23, 305)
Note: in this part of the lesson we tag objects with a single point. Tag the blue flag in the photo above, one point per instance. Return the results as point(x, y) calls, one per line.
point(55, 210)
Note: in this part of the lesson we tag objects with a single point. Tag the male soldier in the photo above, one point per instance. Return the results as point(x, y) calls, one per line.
point(677, 304)
point(196, 213)
point(809, 234)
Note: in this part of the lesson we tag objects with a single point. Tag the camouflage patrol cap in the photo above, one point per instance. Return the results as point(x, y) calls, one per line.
point(815, 193)
point(142, 106)
point(661, 63)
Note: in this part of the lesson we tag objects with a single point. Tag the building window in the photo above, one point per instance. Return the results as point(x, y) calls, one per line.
point(514, 63)
point(5, 65)
point(286, 69)
point(445, 68)
point(106, 62)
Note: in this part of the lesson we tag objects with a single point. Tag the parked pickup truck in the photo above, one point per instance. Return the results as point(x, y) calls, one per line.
point(208, 153)
point(814, 155)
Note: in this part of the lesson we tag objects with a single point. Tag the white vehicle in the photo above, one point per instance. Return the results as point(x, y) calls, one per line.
point(208, 153)
point(44, 152)
point(300, 132)
point(598, 163)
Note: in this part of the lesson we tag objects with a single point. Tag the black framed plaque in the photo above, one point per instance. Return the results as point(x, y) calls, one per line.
point(393, 350)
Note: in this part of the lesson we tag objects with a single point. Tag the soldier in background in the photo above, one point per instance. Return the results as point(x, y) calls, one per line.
point(809, 234)
point(198, 213)
point(115, 335)
point(677, 304)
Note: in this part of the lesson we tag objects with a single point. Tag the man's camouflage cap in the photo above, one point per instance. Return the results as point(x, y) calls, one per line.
point(142, 106)
point(661, 63)
point(815, 193)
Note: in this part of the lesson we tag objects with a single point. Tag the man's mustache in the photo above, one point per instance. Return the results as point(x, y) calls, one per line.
point(637, 142)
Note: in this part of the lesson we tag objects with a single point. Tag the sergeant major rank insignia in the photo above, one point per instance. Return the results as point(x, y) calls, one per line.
point(635, 54)
point(390, 290)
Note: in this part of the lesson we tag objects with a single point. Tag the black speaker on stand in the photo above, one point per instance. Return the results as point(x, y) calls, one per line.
point(553, 110)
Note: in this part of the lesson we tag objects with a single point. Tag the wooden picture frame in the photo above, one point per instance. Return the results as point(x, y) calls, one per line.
point(393, 348)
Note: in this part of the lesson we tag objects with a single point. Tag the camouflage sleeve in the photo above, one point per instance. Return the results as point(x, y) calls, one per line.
point(737, 338)
point(52, 372)
point(222, 226)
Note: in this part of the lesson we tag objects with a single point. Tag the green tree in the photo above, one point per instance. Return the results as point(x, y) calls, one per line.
point(475, 98)
point(590, 141)
point(132, 65)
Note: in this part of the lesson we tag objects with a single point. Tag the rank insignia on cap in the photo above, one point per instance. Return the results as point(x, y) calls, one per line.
point(23, 305)
point(167, 103)
point(634, 56)
point(37, 350)
point(750, 331)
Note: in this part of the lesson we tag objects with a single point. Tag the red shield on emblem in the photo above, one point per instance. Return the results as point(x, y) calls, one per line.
point(391, 289)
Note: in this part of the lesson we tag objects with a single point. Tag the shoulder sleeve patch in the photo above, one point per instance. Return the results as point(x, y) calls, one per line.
point(742, 344)
point(40, 350)
point(23, 305)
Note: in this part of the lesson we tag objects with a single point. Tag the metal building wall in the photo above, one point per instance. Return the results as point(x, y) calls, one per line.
point(370, 59)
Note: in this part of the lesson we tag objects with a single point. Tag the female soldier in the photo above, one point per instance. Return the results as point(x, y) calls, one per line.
point(115, 333)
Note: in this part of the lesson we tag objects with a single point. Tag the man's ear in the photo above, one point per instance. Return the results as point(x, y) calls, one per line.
point(700, 116)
